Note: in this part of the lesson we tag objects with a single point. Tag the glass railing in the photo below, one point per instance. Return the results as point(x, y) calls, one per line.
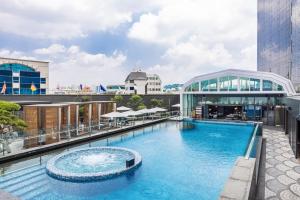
point(17, 142)
point(252, 147)
point(41, 159)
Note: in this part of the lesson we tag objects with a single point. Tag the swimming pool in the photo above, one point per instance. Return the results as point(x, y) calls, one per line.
point(181, 160)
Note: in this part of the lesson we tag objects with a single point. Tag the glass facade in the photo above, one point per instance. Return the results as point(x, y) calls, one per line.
point(278, 41)
point(20, 79)
point(233, 84)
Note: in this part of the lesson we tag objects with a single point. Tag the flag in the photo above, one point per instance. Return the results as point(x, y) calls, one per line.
point(102, 88)
point(80, 86)
point(3, 88)
point(32, 87)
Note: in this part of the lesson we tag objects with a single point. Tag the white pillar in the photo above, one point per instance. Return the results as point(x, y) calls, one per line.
point(115, 107)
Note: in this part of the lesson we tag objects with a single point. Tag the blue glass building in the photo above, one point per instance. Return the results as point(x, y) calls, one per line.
point(21, 79)
point(278, 39)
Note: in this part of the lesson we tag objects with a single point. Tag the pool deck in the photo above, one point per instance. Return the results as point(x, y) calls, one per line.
point(282, 170)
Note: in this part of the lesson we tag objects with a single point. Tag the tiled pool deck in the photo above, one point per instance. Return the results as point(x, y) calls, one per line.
point(282, 170)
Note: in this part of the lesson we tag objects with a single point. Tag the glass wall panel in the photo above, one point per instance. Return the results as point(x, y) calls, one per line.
point(195, 87)
point(244, 84)
point(254, 84)
point(204, 85)
point(261, 101)
point(233, 83)
point(277, 87)
point(213, 84)
point(267, 85)
point(223, 83)
point(234, 100)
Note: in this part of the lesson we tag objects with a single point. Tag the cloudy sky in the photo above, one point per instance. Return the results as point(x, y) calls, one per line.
point(93, 42)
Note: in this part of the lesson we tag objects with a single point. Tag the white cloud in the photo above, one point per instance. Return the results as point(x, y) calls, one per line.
point(53, 49)
point(71, 65)
point(67, 19)
point(200, 36)
point(74, 66)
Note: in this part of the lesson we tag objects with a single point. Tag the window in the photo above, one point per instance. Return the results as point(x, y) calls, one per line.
point(244, 84)
point(195, 87)
point(223, 83)
point(43, 91)
point(254, 84)
point(43, 80)
point(204, 85)
point(131, 88)
point(213, 84)
point(232, 83)
point(16, 79)
point(131, 81)
point(16, 91)
point(267, 85)
point(277, 87)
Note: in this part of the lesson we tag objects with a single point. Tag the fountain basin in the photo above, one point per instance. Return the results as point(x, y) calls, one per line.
point(92, 164)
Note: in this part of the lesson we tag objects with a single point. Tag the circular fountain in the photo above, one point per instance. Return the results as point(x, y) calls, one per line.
point(91, 164)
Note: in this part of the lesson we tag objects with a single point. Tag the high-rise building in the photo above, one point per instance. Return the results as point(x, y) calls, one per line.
point(278, 39)
point(18, 77)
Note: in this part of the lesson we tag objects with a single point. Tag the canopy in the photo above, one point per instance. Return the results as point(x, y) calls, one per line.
point(123, 108)
point(176, 106)
point(158, 109)
point(114, 115)
point(132, 113)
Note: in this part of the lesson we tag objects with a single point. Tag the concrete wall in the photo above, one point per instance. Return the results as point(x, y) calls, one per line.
point(169, 99)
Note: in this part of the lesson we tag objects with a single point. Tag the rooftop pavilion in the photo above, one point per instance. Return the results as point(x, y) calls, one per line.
point(236, 94)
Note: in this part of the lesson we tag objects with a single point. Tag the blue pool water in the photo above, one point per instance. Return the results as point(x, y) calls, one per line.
point(186, 160)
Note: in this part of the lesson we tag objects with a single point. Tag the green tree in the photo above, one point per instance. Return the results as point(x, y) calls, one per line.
point(118, 99)
point(156, 103)
point(135, 102)
point(141, 106)
point(85, 98)
point(8, 119)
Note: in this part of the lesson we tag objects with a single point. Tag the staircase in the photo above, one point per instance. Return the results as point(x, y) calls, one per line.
point(28, 183)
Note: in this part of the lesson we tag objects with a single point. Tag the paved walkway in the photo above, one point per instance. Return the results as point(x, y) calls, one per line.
point(282, 178)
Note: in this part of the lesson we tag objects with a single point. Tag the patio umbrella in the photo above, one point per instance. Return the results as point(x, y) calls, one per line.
point(123, 108)
point(158, 109)
point(146, 111)
point(176, 106)
point(114, 115)
point(132, 113)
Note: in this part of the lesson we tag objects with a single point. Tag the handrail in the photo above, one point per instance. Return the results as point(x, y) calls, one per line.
point(250, 146)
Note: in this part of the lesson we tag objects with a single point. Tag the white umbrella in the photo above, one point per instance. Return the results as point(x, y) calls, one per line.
point(132, 113)
point(114, 115)
point(176, 106)
point(146, 111)
point(123, 108)
point(157, 109)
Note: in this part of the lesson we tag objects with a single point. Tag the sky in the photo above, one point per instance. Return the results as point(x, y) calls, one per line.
point(96, 42)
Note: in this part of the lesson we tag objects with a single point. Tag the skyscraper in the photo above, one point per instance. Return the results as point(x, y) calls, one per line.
point(278, 38)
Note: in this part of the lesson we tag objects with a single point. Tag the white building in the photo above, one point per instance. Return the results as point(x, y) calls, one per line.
point(142, 83)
